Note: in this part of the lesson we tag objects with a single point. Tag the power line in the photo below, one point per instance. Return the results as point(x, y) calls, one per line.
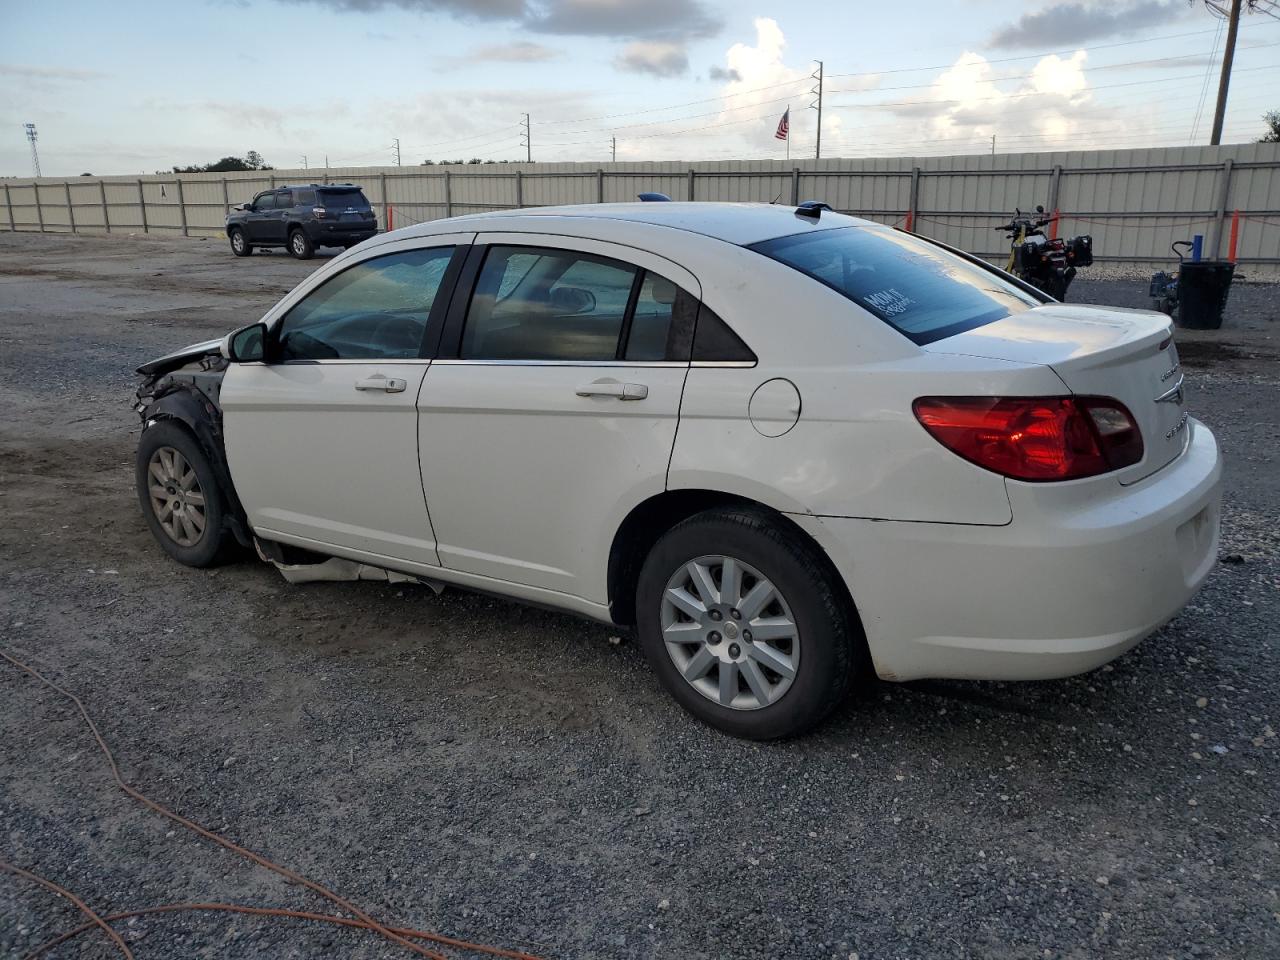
point(1033, 56)
point(673, 106)
point(1030, 93)
point(1027, 76)
point(760, 103)
point(1204, 83)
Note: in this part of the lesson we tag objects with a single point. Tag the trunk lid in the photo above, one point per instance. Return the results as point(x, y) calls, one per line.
point(345, 204)
point(1098, 351)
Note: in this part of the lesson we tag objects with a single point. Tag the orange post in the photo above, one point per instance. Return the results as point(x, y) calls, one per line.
point(1053, 225)
point(911, 219)
point(1235, 235)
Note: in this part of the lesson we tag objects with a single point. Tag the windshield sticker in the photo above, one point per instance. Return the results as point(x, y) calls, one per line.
point(889, 302)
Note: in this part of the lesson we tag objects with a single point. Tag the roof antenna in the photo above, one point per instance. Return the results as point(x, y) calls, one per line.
point(776, 199)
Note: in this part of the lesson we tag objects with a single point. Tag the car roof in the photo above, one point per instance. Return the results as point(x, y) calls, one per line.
point(738, 223)
point(316, 186)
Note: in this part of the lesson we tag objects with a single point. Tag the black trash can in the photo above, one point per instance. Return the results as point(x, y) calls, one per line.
point(1202, 293)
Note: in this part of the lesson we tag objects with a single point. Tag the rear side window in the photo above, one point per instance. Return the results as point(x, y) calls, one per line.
point(662, 323)
point(375, 310)
point(715, 342)
point(922, 291)
point(343, 198)
point(543, 304)
point(284, 200)
point(306, 198)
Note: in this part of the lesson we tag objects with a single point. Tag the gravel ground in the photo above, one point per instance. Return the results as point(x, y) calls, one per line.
point(509, 775)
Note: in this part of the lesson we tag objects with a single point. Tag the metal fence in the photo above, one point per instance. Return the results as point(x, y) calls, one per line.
point(1133, 202)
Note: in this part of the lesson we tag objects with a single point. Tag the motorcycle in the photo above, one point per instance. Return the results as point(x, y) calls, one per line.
point(1048, 265)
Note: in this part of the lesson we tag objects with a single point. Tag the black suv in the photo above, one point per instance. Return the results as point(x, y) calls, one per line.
point(302, 218)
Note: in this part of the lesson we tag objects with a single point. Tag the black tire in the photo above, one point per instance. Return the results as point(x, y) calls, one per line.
point(832, 649)
point(215, 543)
point(240, 244)
point(300, 245)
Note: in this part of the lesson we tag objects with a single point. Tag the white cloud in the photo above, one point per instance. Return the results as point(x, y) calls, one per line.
point(661, 58)
point(762, 85)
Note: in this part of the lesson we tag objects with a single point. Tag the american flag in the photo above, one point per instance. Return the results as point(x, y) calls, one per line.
point(784, 126)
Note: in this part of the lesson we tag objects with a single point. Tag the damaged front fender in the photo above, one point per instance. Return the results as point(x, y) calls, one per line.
point(189, 394)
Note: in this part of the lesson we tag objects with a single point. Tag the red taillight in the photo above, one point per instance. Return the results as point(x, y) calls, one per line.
point(318, 212)
point(1035, 438)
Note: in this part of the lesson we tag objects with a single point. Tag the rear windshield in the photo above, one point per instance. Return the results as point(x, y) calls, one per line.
point(344, 198)
point(920, 290)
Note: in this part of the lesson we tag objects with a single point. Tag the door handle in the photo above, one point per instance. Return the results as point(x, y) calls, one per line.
point(385, 384)
point(611, 388)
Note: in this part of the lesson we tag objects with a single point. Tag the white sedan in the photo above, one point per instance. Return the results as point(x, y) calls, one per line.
point(784, 445)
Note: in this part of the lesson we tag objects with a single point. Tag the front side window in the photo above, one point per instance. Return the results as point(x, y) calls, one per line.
point(543, 304)
point(375, 310)
point(920, 290)
point(265, 202)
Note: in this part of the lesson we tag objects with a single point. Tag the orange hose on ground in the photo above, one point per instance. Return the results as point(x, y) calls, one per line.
point(368, 922)
point(94, 919)
point(270, 912)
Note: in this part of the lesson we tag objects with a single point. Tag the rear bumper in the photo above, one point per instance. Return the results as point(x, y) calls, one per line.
point(323, 233)
point(1063, 588)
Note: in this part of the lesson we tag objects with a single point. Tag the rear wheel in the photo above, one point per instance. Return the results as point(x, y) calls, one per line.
point(240, 244)
point(180, 498)
point(746, 626)
point(300, 245)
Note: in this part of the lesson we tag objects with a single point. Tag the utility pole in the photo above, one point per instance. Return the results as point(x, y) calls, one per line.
point(1220, 113)
point(817, 104)
point(304, 162)
point(615, 149)
point(993, 144)
point(35, 157)
point(528, 139)
point(397, 149)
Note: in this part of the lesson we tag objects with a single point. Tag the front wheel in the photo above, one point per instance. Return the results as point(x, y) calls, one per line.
point(240, 244)
point(180, 498)
point(300, 245)
point(746, 625)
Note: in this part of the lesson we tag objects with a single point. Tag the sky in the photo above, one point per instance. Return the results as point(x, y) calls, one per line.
point(136, 86)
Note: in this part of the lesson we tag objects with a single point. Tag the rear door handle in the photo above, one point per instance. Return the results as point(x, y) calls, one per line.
point(384, 384)
point(611, 388)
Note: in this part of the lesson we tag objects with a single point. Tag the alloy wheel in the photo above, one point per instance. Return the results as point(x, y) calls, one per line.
point(176, 496)
point(299, 244)
point(237, 242)
point(730, 632)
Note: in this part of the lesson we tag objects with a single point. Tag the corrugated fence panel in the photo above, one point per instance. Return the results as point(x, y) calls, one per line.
point(1133, 202)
